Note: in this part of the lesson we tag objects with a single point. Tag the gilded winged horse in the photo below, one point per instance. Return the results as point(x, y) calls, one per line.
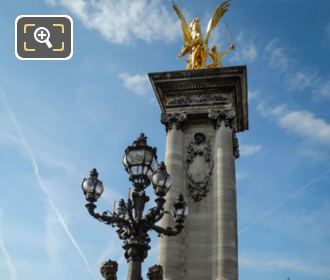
point(197, 46)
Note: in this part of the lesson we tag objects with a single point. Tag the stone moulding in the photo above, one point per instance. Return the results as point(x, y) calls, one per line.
point(199, 166)
point(198, 99)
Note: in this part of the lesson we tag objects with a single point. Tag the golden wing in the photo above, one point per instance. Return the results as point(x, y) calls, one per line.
point(184, 25)
point(219, 12)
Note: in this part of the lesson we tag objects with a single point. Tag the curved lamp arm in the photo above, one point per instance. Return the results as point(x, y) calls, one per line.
point(155, 214)
point(106, 218)
point(179, 213)
point(168, 231)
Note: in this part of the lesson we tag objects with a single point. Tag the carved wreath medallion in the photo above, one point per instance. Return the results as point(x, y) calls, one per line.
point(199, 167)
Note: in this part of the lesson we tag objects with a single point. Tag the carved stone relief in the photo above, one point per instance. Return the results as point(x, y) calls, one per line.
point(199, 167)
point(196, 99)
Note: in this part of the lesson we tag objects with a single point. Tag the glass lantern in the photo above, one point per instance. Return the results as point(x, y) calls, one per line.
point(92, 187)
point(140, 161)
point(161, 180)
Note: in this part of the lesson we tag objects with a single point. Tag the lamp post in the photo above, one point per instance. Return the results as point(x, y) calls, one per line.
point(140, 161)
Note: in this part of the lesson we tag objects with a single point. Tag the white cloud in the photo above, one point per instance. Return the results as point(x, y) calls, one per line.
point(296, 78)
point(246, 49)
point(262, 262)
point(270, 112)
point(250, 52)
point(306, 124)
point(276, 56)
point(302, 80)
point(249, 150)
point(312, 153)
point(323, 89)
point(122, 21)
point(139, 84)
point(253, 94)
point(309, 80)
point(302, 123)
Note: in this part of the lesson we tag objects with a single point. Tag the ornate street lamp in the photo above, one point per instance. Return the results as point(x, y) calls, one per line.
point(140, 161)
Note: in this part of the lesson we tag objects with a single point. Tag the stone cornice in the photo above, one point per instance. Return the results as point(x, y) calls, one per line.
point(197, 91)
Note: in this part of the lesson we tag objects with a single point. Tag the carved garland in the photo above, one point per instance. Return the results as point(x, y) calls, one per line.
point(199, 167)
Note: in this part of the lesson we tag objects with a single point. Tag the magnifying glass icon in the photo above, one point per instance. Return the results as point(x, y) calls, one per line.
point(42, 35)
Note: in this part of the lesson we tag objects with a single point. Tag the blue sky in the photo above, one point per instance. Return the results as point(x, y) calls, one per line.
point(59, 119)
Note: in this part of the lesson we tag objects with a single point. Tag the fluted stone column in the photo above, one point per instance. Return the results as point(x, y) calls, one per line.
point(170, 247)
point(225, 265)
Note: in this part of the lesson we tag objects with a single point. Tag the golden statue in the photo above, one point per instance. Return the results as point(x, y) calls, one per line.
point(195, 45)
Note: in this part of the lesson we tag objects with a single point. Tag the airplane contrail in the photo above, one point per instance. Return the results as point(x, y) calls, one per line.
point(302, 188)
point(10, 265)
point(42, 185)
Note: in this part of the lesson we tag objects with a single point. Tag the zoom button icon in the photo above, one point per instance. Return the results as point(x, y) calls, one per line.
point(44, 37)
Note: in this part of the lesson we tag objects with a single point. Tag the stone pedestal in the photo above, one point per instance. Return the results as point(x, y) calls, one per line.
point(202, 111)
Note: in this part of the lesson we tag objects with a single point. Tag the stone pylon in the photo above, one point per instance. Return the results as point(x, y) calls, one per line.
point(202, 111)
